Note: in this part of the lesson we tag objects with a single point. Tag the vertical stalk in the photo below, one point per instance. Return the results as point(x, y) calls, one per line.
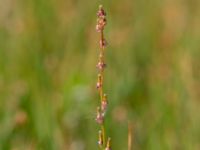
point(101, 111)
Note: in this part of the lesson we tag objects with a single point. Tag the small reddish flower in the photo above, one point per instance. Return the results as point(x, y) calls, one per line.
point(101, 12)
point(99, 118)
point(99, 85)
point(104, 104)
point(98, 28)
point(101, 65)
point(103, 43)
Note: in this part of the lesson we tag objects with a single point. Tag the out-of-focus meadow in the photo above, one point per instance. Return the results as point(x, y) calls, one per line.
point(48, 53)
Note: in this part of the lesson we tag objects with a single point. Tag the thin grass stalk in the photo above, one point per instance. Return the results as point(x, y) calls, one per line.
point(101, 111)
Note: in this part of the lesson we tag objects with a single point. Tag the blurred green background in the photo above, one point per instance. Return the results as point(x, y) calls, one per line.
point(48, 53)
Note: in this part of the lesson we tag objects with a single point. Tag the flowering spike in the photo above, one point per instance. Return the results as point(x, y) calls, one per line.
point(101, 23)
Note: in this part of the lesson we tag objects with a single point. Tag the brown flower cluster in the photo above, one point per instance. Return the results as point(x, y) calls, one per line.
point(101, 23)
